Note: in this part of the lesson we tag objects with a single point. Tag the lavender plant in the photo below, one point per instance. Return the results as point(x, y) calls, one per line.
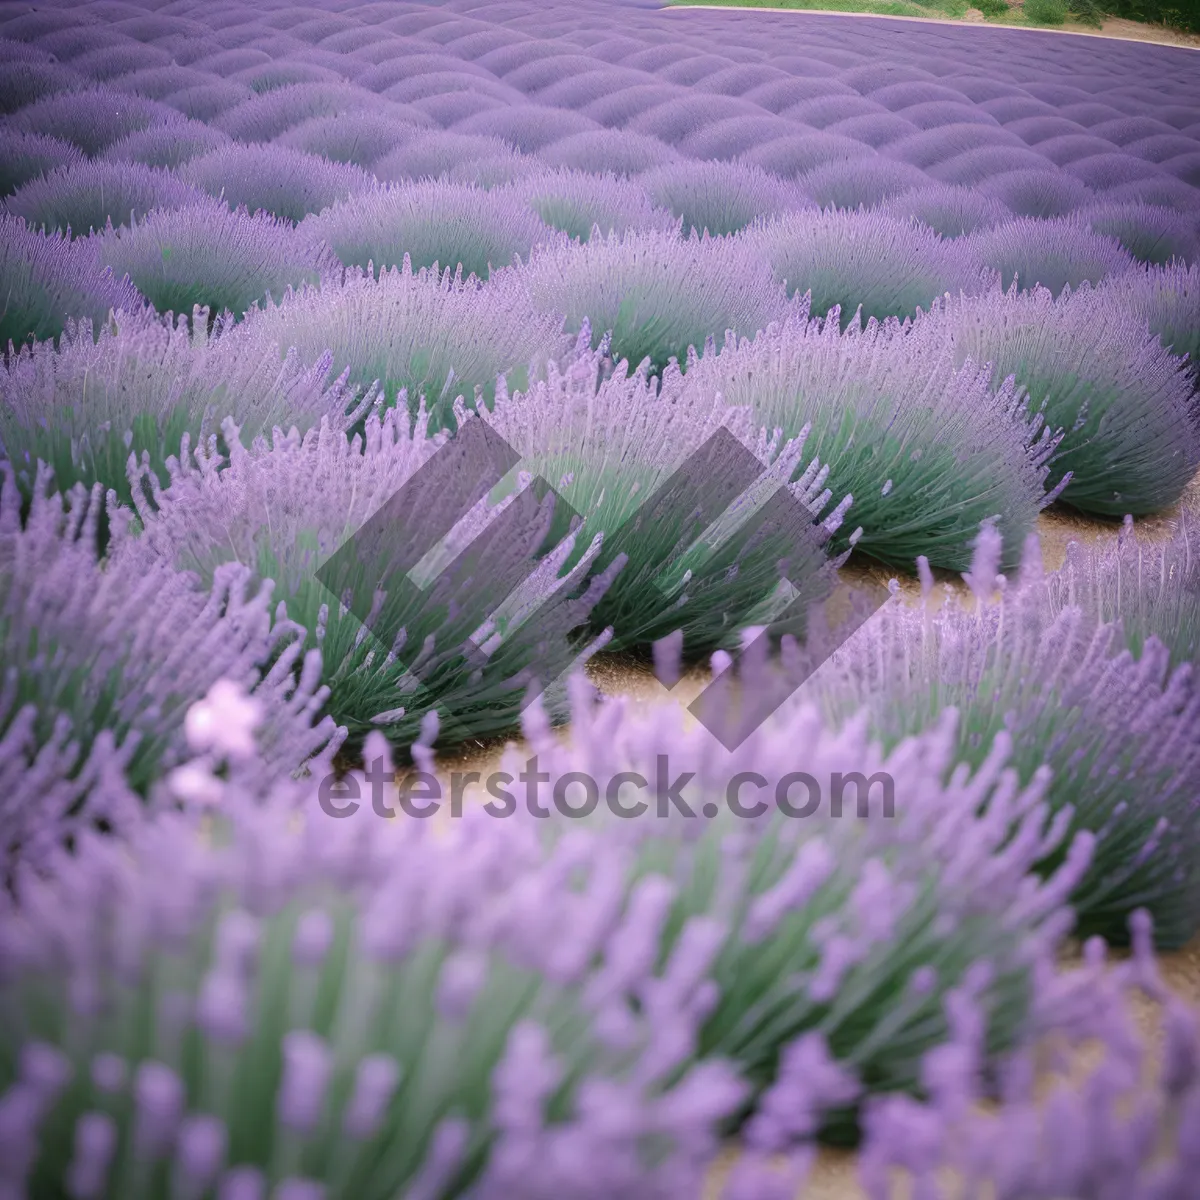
point(1151, 586)
point(1118, 734)
point(434, 155)
point(1085, 1105)
point(50, 280)
point(926, 448)
point(288, 183)
point(26, 156)
point(102, 663)
point(1168, 300)
point(611, 441)
point(359, 138)
point(430, 223)
point(600, 150)
point(1054, 254)
point(205, 255)
point(1035, 191)
point(720, 197)
point(949, 211)
point(93, 194)
point(310, 1043)
point(1132, 427)
point(578, 202)
point(287, 509)
point(92, 118)
point(1150, 233)
point(136, 388)
point(863, 260)
point(419, 335)
point(167, 145)
point(656, 293)
point(266, 115)
point(849, 927)
point(861, 181)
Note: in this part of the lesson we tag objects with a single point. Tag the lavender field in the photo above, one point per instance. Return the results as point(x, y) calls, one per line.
point(596, 601)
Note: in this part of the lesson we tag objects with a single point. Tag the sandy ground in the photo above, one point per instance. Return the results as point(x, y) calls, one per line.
point(1112, 27)
point(834, 1176)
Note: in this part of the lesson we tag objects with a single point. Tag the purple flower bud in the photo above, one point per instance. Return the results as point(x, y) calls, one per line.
point(375, 1083)
point(159, 1099)
point(312, 939)
point(199, 1155)
point(242, 1183)
point(307, 1068)
point(95, 1147)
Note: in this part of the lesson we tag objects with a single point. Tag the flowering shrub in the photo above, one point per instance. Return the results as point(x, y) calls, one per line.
point(289, 508)
point(433, 155)
point(360, 138)
point(48, 280)
point(1118, 737)
point(1150, 233)
point(267, 114)
point(866, 398)
point(101, 665)
point(656, 293)
point(578, 202)
point(1036, 192)
point(421, 336)
point(1168, 300)
point(948, 211)
point(1053, 253)
point(167, 145)
point(89, 195)
point(92, 118)
point(1131, 426)
point(851, 260)
point(431, 222)
point(203, 254)
point(26, 156)
point(720, 197)
point(860, 181)
point(609, 441)
point(288, 183)
point(137, 388)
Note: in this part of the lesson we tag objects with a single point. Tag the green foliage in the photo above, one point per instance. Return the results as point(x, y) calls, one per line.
point(1046, 12)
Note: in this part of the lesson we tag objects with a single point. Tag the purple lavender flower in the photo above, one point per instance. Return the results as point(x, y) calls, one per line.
point(101, 663)
point(269, 113)
point(579, 202)
point(140, 391)
point(1150, 233)
point(609, 441)
point(420, 336)
point(288, 183)
point(720, 197)
point(92, 118)
point(88, 196)
point(26, 156)
point(1168, 300)
point(370, 1099)
point(656, 293)
point(1091, 368)
point(866, 398)
point(454, 156)
point(204, 254)
point(885, 266)
point(49, 280)
point(1053, 253)
point(290, 507)
point(1115, 737)
point(167, 145)
point(616, 150)
point(431, 223)
point(949, 211)
point(360, 138)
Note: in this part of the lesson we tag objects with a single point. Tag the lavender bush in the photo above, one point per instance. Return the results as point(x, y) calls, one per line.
point(608, 440)
point(92, 118)
point(1150, 586)
point(310, 1044)
point(27, 156)
point(1168, 300)
point(434, 155)
point(287, 508)
point(1150, 233)
point(91, 195)
point(101, 664)
point(1055, 254)
point(1132, 426)
point(167, 145)
point(578, 202)
point(421, 336)
point(430, 223)
point(288, 183)
point(720, 197)
point(927, 451)
point(1117, 734)
point(948, 211)
point(137, 389)
point(656, 293)
point(49, 280)
point(205, 255)
point(851, 260)
point(359, 138)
